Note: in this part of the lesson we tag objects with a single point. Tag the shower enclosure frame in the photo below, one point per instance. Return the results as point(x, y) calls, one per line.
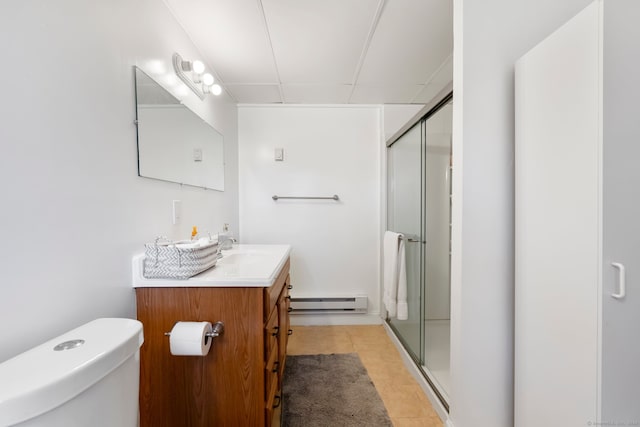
point(418, 356)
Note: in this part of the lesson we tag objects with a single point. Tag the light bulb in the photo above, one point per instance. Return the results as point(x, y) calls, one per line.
point(198, 67)
point(216, 90)
point(207, 79)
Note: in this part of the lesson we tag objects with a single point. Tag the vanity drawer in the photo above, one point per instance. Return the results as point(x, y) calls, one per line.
point(271, 404)
point(271, 331)
point(272, 293)
point(272, 398)
point(271, 371)
point(286, 295)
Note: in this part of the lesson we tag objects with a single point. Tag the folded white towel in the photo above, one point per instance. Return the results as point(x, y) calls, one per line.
point(390, 269)
point(205, 241)
point(403, 308)
point(191, 245)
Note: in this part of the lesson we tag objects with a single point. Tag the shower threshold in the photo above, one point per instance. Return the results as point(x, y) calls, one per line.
point(439, 379)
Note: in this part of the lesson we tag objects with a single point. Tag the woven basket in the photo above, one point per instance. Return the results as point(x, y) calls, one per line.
point(164, 261)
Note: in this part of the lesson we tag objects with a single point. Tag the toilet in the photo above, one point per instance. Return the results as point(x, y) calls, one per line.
point(86, 377)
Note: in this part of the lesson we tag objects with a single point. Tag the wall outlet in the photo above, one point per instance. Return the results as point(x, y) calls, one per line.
point(176, 211)
point(197, 154)
point(279, 154)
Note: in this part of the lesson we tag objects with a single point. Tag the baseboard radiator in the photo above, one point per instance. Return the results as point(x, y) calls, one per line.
point(329, 305)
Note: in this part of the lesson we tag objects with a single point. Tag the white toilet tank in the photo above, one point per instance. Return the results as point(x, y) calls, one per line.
point(86, 377)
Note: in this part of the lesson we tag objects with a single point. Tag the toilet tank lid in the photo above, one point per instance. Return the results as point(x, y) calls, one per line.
point(43, 378)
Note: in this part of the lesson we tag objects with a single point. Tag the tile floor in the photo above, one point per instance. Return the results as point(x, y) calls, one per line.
point(405, 401)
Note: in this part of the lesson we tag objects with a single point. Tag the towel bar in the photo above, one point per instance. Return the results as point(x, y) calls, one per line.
point(334, 197)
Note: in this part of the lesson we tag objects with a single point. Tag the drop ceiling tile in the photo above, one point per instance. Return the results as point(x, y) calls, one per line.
point(255, 94)
point(232, 37)
point(384, 94)
point(408, 48)
point(316, 94)
point(429, 92)
point(318, 41)
point(444, 74)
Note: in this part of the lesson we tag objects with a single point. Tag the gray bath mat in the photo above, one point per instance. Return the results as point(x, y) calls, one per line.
point(323, 390)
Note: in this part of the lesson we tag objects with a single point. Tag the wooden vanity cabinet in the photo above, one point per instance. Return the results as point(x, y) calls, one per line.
point(276, 347)
point(239, 382)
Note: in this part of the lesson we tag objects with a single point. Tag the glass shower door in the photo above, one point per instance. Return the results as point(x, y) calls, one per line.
point(437, 256)
point(404, 216)
point(419, 206)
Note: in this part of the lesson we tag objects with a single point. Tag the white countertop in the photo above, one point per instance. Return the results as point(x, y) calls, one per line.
point(241, 266)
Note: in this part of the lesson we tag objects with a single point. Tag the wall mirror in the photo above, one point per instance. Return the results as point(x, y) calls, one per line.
point(174, 143)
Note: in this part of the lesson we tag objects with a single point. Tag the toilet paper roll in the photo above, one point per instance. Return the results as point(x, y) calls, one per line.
point(189, 339)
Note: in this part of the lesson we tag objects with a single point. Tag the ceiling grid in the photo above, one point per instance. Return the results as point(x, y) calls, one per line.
point(324, 52)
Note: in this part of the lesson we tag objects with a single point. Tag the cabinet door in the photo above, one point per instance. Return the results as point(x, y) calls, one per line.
point(225, 387)
point(621, 316)
point(557, 227)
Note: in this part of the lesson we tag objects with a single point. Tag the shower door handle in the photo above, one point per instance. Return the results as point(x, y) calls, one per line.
point(622, 279)
point(412, 238)
point(424, 242)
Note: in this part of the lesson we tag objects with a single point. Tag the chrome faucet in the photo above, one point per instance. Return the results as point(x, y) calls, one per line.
point(226, 243)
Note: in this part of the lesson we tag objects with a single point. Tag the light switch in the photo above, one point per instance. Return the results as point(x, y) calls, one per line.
point(175, 208)
point(279, 154)
point(197, 154)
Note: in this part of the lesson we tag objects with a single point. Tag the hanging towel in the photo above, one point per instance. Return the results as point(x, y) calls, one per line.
point(403, 308)
point(391, 247)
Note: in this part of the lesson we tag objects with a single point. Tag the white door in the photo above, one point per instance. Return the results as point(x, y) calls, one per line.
point(621, 316)
point(557, 227)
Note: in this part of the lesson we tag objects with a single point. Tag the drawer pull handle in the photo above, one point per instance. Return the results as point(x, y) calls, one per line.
point(290, 309)
point(275, 366)
point(275, 331)
point(276, 404)
point(290, 287)
point(288, 297)
point(290, 332)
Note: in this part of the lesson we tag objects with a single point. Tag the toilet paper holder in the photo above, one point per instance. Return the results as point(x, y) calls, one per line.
point(217, 329)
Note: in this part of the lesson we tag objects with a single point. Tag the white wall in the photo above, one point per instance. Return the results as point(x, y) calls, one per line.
point(74, 210)
point(488, 38)
point(327, 150)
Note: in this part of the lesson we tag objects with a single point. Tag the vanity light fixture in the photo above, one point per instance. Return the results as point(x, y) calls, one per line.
point(198, 81)
point(198, 69)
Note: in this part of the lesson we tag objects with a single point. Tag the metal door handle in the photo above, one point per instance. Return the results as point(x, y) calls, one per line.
point(622, 285)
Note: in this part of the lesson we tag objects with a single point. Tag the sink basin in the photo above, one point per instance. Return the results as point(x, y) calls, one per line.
point(244, 257)
point(241, 266)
